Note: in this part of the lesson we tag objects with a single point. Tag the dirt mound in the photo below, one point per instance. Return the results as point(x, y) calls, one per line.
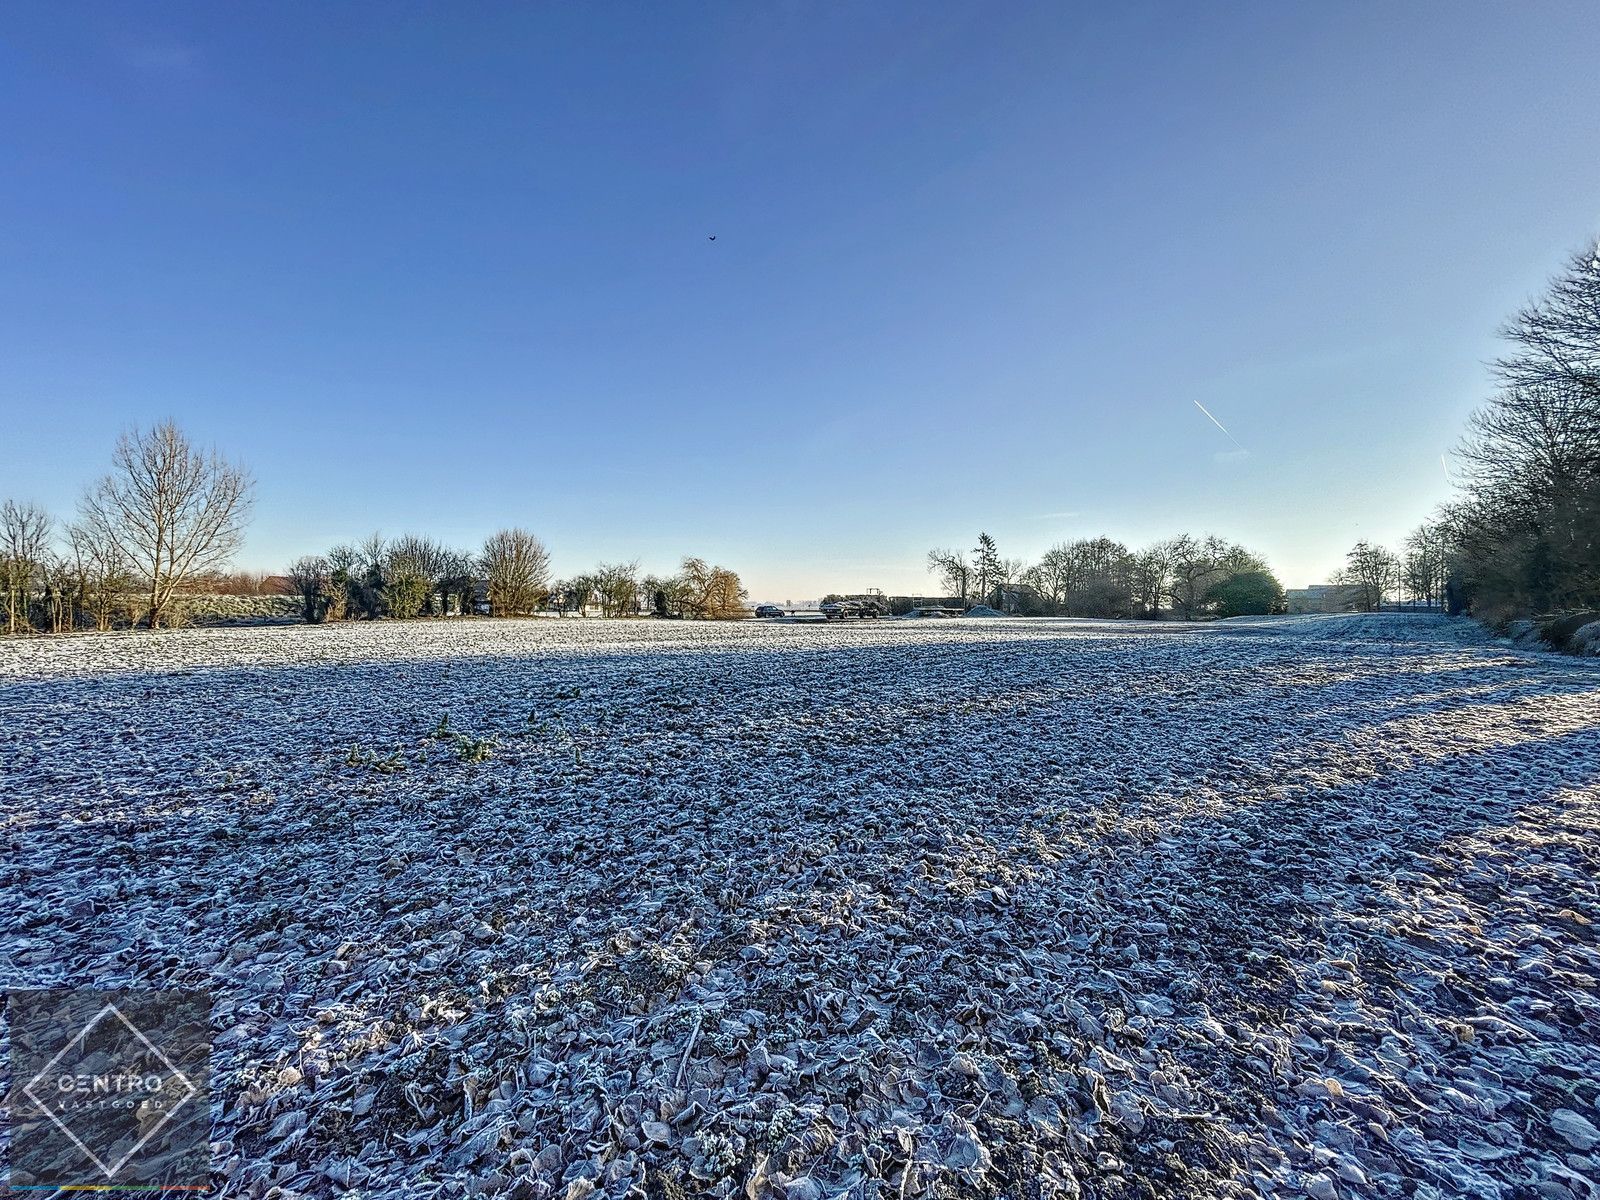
point(983, 610)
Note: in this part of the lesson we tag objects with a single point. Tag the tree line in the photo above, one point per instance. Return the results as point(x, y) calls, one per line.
point(1418, 574)
point(1187, 576)
point(168, 516)
point(1522, 535)
point(508, 576)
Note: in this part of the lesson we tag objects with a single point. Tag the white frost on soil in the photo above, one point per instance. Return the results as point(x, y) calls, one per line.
point(991, 908)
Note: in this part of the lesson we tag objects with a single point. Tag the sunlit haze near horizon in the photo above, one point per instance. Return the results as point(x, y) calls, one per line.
point(1043, 271)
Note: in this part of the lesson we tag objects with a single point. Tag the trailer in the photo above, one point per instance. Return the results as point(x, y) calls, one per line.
point(868, 605)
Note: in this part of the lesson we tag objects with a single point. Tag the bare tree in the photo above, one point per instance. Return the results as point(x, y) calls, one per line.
point(953, 570)
point(1525, 537)
point(345, 578)
point(444, 564)
point(1103, 586)
point(362, 568)
point(1092, 577)
point(460, 579)
point(1051, 576)
point(1370, 573)
point(1194, 567)
point(665, 597)
point(1152, 567)
point(726, 596)
point(517, 568)
point(175, 510)
point(711, 593)
point(574, 595)
point(61, 592)
point(1425, 564)
point(410, 568)
point(311, 579)
point(617, 586)
point(1533, 522)
point(1008, 574)
point(104, 578)
point(25, 531)
point(1534, 444)
point(1197, 565)
point(1556, 339)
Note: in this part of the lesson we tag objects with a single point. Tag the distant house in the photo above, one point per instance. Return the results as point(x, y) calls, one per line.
point(1319, 598)
point(1021, 598)
point(582, 602)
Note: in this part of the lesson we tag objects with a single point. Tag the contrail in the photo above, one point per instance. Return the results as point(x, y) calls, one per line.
point(1219, 425)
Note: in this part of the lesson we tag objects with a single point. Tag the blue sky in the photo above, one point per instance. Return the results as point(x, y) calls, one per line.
point(444, 268)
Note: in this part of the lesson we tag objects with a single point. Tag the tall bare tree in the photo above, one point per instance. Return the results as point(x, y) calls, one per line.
point(517, 568)
point(1051, 576)
point(360, 567)
point(663, 596)
point(1197, 565)
point(1535, 443)
point(1425, 564)
point(176, 511)
point(1152, 567)
point(25, 531)
point(574, 595)
point(1556, 338)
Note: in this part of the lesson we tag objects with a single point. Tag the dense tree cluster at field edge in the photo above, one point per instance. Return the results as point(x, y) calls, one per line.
point(415, 576)
point(1522, 537)
point(1185, 576)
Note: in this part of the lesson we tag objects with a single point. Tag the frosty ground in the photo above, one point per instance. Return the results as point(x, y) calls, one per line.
point(964, 908)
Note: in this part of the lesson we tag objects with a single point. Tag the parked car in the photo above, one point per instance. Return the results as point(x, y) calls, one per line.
point(769, 610)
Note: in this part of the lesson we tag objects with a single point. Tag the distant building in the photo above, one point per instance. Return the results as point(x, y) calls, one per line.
point(1021, 598)
point(1319, 598)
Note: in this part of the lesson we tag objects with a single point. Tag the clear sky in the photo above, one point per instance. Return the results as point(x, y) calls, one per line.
point(440, 268)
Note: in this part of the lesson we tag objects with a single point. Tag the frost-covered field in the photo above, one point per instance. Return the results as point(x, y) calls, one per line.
point(986, 908)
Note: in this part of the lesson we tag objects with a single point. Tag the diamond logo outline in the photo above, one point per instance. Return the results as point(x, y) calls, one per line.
point(110, 1171)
